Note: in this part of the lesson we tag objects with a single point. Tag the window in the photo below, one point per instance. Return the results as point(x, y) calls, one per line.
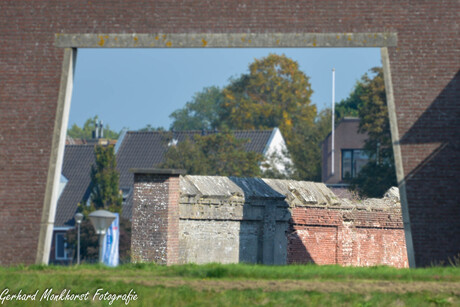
point(353, 161)
point(60, 246)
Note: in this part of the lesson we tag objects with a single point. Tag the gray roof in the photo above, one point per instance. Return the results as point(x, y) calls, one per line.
point(147, 149)
point(76, 167)
point(137, 150)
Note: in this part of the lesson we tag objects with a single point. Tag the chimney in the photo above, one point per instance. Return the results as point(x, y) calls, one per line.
point(96, 130)
point(155, 218)
point(101, 127)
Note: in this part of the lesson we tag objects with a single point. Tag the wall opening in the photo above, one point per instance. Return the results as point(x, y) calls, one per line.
point(71, 42)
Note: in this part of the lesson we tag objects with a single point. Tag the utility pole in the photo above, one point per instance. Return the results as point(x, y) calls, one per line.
point(333, 119)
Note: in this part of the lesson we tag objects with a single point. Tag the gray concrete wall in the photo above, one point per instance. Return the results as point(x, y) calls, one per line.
point(225, 220)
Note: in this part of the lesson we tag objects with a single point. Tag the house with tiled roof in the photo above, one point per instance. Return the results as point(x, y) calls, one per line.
point(75, 187)
point(138, 150)
point(147, 149)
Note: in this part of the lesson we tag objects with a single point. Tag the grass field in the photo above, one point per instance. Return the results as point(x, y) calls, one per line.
point(229, 285)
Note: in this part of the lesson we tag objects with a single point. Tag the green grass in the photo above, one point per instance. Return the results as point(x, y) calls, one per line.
point(182, 285)
point(304, 272)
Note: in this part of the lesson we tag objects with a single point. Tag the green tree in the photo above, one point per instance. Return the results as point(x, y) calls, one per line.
point(105, 194)
point(86, 132)
point(149, 128)
point(305, 149)
point(275, 93)
point(215, 154)
point(201, 113)
point(350, 106)
point(376, 177)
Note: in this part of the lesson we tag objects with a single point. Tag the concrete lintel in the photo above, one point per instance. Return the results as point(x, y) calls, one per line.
point(158, 171)
point(225, 40)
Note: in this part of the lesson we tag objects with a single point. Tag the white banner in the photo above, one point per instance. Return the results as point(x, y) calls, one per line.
point(111, 242)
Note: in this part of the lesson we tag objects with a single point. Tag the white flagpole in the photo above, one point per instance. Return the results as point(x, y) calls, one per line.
point(333, 125)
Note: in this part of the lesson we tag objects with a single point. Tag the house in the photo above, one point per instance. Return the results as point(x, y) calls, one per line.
point(135, 150)
point(75, 187)
point(349, 156)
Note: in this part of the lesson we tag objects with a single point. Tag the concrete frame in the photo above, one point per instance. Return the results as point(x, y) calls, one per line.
point(203, 40)
point(56, 157)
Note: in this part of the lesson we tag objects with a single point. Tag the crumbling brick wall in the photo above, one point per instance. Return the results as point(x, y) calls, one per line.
point(347, 236)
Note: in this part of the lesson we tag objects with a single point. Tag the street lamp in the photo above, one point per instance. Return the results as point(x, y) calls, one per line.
point(78, 219)
point(101, 220)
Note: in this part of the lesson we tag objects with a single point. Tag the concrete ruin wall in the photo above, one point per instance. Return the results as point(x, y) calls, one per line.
point(231, 220)
point(424, 76)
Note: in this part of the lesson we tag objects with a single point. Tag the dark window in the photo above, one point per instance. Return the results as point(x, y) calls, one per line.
point(353, 161)
point(60, 245)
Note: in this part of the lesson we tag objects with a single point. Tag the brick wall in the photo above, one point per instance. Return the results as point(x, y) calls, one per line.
point(155, 221)
point(347, 237)
point(424, 66)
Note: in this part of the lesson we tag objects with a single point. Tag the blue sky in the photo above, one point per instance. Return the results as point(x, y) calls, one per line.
point(135, 87)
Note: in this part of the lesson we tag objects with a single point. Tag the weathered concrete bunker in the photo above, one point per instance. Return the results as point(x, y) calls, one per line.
point(201, 219)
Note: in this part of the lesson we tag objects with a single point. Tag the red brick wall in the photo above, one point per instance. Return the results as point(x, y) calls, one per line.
point(425, 72)
point(173, 220)
point(346, 237)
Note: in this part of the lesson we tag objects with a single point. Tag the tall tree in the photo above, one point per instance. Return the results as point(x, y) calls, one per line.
point(105, 193)
point(86, 132)
point(378, 175)
point(350, 106)
point(306, 148)
point(275, 93)
point(201, 113)
point(215, 154)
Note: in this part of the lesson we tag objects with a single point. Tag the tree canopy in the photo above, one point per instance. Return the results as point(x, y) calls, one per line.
point(306, 150)
point(86, 132)
point(378, 175)
point(214, 154)
point(105, 193)
point(201, 113)
point(149, 128)
point(274, 93)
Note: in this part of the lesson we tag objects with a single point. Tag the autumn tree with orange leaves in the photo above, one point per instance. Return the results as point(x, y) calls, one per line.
point(275, 93)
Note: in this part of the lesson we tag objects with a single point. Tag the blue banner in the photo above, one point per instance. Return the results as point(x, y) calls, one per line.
point(111, 242)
